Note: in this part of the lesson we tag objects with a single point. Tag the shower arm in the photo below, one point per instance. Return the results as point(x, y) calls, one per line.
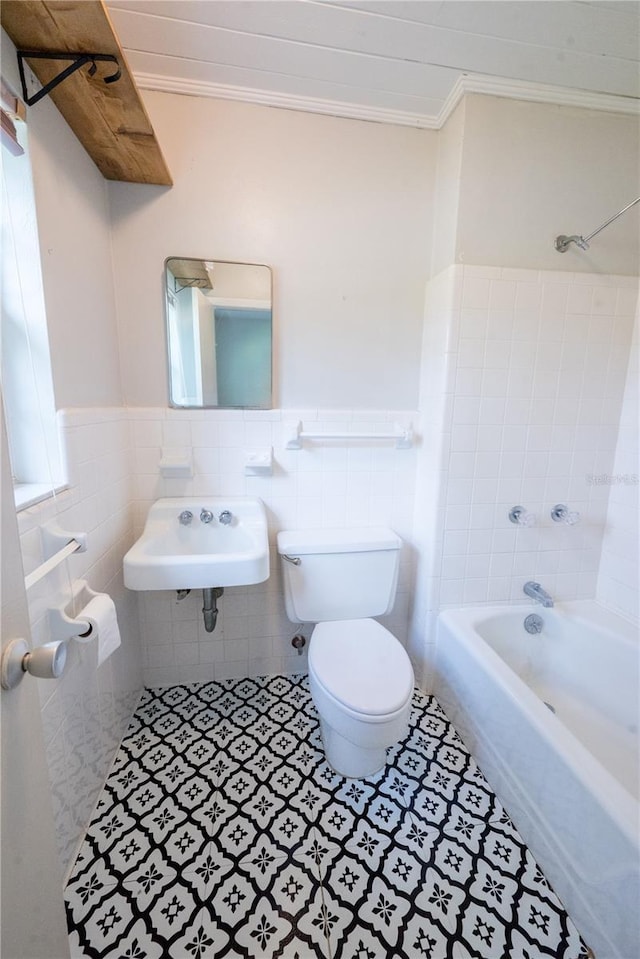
point(562, 242)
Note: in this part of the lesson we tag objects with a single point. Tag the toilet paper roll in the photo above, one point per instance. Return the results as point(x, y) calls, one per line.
point(103, 619)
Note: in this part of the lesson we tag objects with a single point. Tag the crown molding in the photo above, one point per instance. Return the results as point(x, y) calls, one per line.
point(535, 93)
point(465, 84)
point(285, 101)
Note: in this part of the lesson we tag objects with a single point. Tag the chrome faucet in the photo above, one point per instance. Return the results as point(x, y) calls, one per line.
point(206, 515)
point(537, 593)
point(185, 517)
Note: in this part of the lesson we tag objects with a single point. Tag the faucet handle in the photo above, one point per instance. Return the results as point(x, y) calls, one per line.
point(185, 517)
point(520, 516)
point(562, 514)
point(206, 515)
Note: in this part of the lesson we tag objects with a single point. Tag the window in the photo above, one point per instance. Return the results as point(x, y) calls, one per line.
point(27, 386)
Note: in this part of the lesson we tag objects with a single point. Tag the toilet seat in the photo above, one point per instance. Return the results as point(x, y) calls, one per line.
point(362, 667)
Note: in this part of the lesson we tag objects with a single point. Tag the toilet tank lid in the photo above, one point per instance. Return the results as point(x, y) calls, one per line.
point(358, 540)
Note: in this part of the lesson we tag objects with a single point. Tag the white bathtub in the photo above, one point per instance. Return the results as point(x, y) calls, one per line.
point(569, 778)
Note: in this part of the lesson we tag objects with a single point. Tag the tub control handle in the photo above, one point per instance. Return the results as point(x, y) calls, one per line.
point(294, 560)
point(562, 514)
point(520, 516)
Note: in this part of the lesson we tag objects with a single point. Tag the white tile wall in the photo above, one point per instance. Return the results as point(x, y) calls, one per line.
point(534, 368)
point(85, 713)
point(326, 484)
point(619, 572)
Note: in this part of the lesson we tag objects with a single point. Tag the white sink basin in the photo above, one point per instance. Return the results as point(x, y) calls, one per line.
point(199, 555)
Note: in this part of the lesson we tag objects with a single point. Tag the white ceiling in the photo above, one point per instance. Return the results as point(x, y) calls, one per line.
point(403, 61)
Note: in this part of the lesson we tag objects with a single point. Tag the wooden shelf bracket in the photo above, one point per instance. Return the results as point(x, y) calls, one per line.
point(109, 119)
point(78, 60)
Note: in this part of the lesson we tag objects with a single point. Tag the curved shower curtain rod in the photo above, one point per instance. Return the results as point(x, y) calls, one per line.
point(562, 242)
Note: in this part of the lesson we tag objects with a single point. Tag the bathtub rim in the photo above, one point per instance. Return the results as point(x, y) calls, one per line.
point(619, 804)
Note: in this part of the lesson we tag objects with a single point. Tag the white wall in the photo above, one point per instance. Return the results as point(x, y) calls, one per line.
point(340, 210)
point(447, 190)
point(531, 171)
point(75, 250)
point(619, 572)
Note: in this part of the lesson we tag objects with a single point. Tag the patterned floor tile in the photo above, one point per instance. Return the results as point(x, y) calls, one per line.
point(482, 932)
point(88, 890)
point(404, 870)
point(213, 814)
point(326, 921)
point(417, 837)
point(125, 781)
point(223, 833)
point(347, 878)
point(106, 925)
point(289, 829)
point(422, 939)
point(384, 911)
point(269, 933)
point(369, 845)
point(208, 870)
point(494, 889)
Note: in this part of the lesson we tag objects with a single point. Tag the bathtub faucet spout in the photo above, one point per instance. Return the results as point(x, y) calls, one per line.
point(540, 595)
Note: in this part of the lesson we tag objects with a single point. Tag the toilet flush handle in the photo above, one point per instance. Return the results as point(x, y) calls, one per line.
point(295, 560)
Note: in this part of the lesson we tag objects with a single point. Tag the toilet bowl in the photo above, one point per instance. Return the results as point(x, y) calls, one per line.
point(360, 676)
point(361, 682)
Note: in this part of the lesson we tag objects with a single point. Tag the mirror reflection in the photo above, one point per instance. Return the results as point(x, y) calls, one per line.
point(218, 333)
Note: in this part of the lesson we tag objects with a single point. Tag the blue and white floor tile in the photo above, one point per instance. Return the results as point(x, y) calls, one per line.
point(222, 832)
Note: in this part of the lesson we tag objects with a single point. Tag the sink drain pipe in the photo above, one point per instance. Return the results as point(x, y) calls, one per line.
point(210, 596)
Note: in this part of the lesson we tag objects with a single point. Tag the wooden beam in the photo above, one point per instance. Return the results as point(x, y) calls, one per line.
point(110, 120)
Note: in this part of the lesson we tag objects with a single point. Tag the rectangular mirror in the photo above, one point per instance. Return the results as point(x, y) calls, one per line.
point(219, 334)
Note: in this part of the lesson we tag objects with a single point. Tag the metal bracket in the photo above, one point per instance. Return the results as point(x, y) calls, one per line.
point(77, 60)
point(188, 283)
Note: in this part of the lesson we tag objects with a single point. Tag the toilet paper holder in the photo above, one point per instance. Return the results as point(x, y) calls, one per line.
point(64, 626)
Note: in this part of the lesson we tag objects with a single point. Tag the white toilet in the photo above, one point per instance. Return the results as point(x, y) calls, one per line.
point(360, 676)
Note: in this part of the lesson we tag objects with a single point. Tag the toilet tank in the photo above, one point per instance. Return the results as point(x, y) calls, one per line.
point(342, 573)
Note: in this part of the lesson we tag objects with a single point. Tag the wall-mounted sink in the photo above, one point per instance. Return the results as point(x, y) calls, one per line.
point(200, 542)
